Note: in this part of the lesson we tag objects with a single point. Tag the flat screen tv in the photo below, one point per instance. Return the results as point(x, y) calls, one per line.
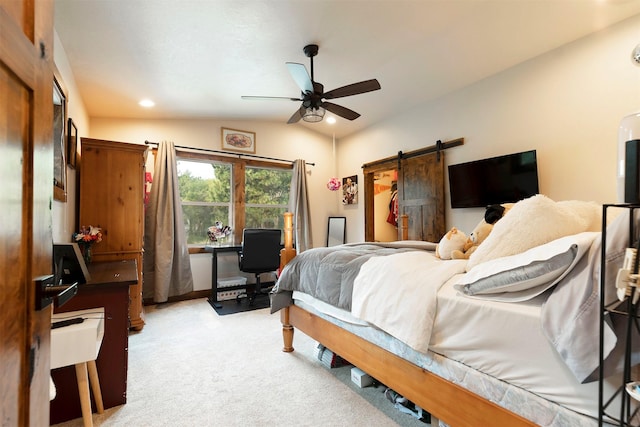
point(68, 264)
point(495, 180)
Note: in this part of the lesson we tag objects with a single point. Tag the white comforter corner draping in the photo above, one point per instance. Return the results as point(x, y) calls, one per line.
point(395, 294)
point(571, 314)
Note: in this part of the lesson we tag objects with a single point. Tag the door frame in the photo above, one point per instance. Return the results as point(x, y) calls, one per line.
point(395, 162)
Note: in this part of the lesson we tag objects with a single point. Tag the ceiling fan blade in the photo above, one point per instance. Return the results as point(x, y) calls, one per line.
point(295, 118)
point(300, 76)
point(353, 89)
point(340, 110)
point(276, 98)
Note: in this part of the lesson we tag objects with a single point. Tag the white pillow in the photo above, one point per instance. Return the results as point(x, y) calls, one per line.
point(590, 212)
point(526, 275)
point(529, 223)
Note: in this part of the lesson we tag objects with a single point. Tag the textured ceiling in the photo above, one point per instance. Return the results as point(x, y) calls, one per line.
point(195, 59)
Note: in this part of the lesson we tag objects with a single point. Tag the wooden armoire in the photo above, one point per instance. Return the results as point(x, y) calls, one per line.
point(112, 198)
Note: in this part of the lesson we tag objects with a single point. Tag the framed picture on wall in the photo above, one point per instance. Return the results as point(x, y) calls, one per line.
point(238, 140)
point(350, 190)
point(59, 140)
point(72, 143)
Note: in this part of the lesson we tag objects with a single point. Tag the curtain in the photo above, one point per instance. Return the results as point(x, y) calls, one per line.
point(299, 206)
point(167, 267)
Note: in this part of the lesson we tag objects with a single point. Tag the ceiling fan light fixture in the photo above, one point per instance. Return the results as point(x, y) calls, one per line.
point(313, 96)
point(313, 115)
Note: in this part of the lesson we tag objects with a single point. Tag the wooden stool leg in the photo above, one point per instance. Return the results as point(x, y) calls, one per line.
point(95, 385)
point(83, 391)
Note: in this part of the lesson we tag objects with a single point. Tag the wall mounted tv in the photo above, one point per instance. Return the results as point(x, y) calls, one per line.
point(495, 180)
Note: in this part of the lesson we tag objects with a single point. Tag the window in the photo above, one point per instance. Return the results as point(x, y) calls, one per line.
point(205, 191)
point(237, 192)
point(267, 197)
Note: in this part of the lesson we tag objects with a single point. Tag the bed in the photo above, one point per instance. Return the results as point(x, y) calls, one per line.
point(521, 357)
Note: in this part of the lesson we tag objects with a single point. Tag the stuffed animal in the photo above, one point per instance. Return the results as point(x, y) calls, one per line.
point(454, 240)
point(476, 237)
point(482, 230)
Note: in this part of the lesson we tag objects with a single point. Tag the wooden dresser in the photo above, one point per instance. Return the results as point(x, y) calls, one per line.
point(112, 198)
point(108, 288)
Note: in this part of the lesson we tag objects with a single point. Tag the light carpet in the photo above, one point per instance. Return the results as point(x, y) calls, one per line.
point(191, 367)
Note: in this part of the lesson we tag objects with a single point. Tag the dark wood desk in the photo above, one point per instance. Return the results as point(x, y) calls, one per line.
point(108, 288)
point(215, 250)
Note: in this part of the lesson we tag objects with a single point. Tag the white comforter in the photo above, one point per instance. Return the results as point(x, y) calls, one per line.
point(395, 294)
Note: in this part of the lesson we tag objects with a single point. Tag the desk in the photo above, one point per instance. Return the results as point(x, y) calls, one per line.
point(215, 250)
point(108, 288)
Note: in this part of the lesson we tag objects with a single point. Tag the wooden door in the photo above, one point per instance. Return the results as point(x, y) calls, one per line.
point(421, 196)
point(26, 174)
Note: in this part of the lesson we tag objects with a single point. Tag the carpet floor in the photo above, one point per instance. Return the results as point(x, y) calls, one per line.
point(190, 366)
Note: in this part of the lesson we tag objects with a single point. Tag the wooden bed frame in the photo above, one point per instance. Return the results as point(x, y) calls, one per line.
point(445, 400)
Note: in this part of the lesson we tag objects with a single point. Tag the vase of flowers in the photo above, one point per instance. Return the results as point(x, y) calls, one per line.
point(218, 233)
point(85, 238)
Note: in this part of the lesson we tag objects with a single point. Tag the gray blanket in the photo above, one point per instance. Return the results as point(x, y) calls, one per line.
point(328, 273)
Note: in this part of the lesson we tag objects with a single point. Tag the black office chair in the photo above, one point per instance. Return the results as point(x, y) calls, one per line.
point(260, 253)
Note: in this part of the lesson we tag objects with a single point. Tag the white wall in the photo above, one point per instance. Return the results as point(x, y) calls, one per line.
point(566, 104)
point(64, 214)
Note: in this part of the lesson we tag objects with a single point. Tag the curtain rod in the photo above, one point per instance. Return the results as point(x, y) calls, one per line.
point(226, 153)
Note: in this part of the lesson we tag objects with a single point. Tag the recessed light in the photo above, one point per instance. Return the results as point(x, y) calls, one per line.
point(331, 120)
point(147, 103)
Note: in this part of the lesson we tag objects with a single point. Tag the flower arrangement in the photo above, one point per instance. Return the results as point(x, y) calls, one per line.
point(334, 184)
point(86, 237)
point(218, 231)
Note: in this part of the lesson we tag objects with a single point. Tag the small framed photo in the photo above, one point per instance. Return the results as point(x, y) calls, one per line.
point(350, 190)
point(72, 143)
point(238, 140)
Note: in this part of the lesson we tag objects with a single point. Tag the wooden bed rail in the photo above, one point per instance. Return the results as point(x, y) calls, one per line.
point(288, 252)
point(445, 400)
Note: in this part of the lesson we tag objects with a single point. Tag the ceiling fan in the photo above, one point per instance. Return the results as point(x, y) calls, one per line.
point(314, 98)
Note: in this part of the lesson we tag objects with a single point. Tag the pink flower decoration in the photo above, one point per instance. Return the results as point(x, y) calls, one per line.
point(334, 184)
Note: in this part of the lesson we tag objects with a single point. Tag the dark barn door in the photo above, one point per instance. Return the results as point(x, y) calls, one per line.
point(421, 196)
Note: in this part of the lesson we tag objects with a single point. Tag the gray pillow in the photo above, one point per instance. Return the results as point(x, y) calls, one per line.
point(523, 276)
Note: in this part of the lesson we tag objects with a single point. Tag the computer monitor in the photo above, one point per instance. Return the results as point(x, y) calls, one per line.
point(68, 264)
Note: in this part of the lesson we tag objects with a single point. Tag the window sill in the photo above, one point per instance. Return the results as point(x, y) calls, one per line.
point(197, 250)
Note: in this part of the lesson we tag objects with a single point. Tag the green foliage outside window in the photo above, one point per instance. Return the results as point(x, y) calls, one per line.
point(266, 197)
point(206, 193)
point(205, 190)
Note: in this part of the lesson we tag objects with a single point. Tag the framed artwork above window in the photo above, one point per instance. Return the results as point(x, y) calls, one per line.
point(238, 140)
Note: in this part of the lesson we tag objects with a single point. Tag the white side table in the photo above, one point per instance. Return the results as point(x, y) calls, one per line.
point(79, 344)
